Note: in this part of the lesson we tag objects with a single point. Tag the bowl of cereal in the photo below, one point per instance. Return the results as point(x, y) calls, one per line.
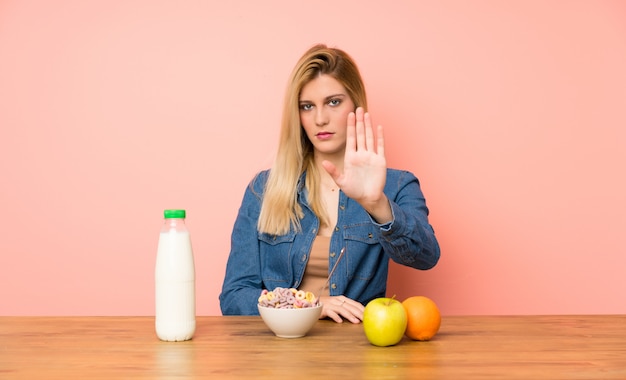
point(288, 312)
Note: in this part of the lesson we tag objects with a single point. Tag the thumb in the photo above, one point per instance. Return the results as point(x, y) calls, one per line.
point(331, 169)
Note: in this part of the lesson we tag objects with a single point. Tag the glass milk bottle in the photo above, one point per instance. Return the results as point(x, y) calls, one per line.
point(175, 289)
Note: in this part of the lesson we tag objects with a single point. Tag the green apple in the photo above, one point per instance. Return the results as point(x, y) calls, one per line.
point(384, 321)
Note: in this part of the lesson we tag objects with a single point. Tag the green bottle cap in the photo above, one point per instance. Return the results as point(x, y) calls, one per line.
point(174, 214)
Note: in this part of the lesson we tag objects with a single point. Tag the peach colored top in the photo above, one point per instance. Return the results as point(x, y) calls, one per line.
point(316, 271)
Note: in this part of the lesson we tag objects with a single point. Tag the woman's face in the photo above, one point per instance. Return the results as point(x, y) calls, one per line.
point(324, 108)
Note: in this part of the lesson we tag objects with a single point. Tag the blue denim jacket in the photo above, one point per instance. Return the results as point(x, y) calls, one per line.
point(260, 261)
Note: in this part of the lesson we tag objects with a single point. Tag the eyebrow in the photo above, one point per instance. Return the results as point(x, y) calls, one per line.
point(340, 95)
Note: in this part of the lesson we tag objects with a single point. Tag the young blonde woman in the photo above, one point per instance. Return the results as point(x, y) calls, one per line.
point(328, 190)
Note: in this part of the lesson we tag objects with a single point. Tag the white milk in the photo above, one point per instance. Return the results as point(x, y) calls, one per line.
point(175, 300)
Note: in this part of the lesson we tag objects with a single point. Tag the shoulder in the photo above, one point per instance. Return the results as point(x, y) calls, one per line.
point(260, 177)
point(257, 183)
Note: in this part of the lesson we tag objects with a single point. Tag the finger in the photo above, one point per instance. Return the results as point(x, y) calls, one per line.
point(350, 309)
point(331, 169)
point(351, 133)
point(349, 315)
point(330, 310)
point(380, 146)
point(360, 130)
point(369, 133)
point(356, 310)
point(334, 316)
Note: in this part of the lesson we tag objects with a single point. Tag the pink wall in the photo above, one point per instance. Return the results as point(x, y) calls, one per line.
point(511, 113)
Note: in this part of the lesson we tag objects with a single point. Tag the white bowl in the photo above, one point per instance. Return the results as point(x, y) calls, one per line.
point(290, 323)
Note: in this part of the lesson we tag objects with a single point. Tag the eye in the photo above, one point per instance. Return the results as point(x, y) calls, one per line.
point(334, 102)
point(306, 106)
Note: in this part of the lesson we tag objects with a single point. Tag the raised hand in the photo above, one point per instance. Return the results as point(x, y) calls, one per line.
point(365, 168)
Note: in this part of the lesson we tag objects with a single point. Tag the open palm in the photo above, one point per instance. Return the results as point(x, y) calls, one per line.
point(365, 168)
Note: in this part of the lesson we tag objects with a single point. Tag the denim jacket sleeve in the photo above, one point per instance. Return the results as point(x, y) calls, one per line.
point(259, 260)
point(409, 239)
point(243, 283)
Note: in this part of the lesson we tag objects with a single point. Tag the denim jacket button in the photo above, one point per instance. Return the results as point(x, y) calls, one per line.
point(332, 254)
point(334, 286)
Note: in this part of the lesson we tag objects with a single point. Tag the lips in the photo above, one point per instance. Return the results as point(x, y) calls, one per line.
point(324, 135)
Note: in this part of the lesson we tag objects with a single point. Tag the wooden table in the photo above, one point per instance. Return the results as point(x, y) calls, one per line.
point(479, 347)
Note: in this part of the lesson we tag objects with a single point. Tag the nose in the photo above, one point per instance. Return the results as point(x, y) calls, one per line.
point(321, 119)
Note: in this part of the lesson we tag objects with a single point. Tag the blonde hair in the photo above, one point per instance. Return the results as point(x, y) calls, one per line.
point(280, 209)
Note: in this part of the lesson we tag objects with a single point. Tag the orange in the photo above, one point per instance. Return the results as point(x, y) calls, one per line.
point(423, 318)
